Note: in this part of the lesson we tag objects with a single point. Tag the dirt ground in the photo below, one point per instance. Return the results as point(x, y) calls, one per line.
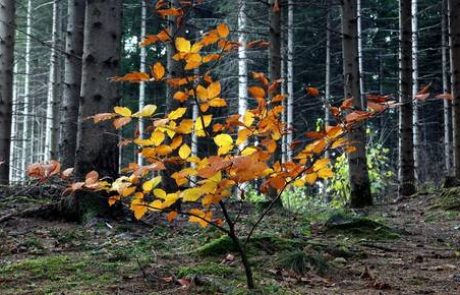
point(124, 257)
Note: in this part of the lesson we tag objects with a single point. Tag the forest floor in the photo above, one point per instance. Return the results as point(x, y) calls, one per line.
point(408, 247)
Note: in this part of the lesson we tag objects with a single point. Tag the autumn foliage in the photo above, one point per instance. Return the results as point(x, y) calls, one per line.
point(245, 144)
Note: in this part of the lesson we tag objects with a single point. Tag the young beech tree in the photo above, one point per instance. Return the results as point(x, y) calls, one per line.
point(7, 30)
point(205, 184)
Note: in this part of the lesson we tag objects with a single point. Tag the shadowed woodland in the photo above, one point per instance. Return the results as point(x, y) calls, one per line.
point(229, 147)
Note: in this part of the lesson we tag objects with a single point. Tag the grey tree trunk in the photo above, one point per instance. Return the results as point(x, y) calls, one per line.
point(26, 133)
point(418, 148)
point(275, 41)
point(362, 90)
point(54, 85)
point(406, 144)
point(360, 193)
point(7, 31)
point(72, 82)
point(454, 12)
point(446, 89)
point(97, 144)
point(242, 63)
point(143, 56)
point(290, 79)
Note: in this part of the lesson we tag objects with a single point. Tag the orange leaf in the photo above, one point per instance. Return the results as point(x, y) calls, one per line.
point(134, 77)
point(120, 122)
point(158, 71)
point(171, 216)
point(446, 95)
point(256, 92)
point(313, 91)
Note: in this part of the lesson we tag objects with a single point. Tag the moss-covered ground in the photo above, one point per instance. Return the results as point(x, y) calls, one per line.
point(394, 249)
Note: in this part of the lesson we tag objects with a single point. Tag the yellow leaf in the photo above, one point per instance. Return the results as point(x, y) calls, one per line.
point(191, 194)
point(157, 137)
point(122, 111)
point(248, 118)
point(138, 207)
point(184, 151)
point(199, 129)
point(183, 45)
point(196, 47)
point(147, 111)
point(170, 200)
point(200, 217)
point(128, 191)
point(185, 126)
point(248, 151)
point(218, 103)
point(320, 164)
point(243, 136)
point(202, 93)
point(158, 71)
point(223, 30)
point(224, 142)
point(151, 184)
point(214, 89)
point(311, 178)
point(163, 150)
point(325, 173)
point(176, 114)
point(159, 193)
point(176, 142)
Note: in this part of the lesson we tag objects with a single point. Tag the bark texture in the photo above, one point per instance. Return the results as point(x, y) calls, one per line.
point(7, 30)
point(454, 8)
point(97, 143)
point(72, 82)
point(406, 144)
point(358, 171)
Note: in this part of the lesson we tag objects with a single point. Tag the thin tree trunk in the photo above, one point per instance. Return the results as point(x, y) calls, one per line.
point(290, 79)
point(360, 192)
point(143, 56)
point(97, 144)
point(26, 134)
point(454, 8)
point(54, 84)
point(14, 124)
point(415, 88)
point(7, 34)
point(445, 88)
point(242, 62)
point(362, 90)
point(406, 144)
point(72, 82)
point(327, 79)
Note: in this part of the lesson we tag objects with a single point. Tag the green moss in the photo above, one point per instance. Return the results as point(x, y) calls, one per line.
point(360, 227)
point(210, 268)
point(268, 243)
point(448, 200)
point(301, 262)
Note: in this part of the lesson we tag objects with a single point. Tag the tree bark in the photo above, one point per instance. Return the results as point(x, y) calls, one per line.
point(72, 82)
point(454, 12)
point(418, 149)
point(97, 144)
point(406, 144)
point(26, 132)
point(143, 56)
point(7, 31)
point(290, 80)
point(275, 41)
point(360, 193)
point(54, 84)
point(446, 89)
